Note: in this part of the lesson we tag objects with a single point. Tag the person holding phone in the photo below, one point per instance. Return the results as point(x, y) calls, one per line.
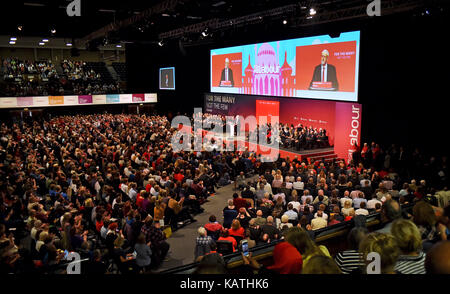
point(250, 243)
point(245, 249)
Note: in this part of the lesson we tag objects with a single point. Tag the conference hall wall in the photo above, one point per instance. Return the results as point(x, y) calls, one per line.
point(399, 87)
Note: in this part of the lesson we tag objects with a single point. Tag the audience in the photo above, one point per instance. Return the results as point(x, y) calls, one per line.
point(85, 182)
point(40, 78)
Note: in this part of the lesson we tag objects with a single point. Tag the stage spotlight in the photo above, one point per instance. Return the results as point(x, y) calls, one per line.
point(68, 44)
point(19, 28)
point(119, 46)
point(13, 39)
point(53, 31)
point(312, 12)
point(161, 43)
point(41, 44)
point(284, 22)
point(45, 40)
point(12, 42)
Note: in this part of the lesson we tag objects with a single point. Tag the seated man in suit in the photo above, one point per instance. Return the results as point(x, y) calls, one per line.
point(325, 72)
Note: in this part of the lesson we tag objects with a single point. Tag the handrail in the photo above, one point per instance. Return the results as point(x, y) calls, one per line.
point(233, 262)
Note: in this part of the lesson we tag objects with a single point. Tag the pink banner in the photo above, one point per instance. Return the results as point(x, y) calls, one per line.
point(25, 101)
point(348, 129)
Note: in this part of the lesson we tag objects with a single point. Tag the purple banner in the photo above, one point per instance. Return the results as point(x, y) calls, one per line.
point(86, 99)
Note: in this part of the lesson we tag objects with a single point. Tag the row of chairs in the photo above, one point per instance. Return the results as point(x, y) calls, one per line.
point(223, 247)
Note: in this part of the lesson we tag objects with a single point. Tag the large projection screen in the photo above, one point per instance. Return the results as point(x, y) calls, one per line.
point(320, 67)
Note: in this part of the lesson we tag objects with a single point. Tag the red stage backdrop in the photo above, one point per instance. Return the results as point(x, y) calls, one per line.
point(267, 109)
point(310, 113)
point(342, 56)
point(218, 64)
point(341, 120)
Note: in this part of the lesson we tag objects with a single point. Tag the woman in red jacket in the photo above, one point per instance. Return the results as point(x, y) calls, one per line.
point(225, 236)
point(236, 229)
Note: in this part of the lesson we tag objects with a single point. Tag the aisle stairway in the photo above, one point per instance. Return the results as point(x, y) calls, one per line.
point(182, 242)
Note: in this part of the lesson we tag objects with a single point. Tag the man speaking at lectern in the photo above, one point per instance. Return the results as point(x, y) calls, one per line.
point(325, 72)
point(227, 75)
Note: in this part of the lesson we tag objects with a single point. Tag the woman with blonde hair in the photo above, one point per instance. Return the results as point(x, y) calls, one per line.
point(322, 176)
point(278, 180)
point(159, 210)
point(294, 193)
point(236, 229)
point(301, 240)
point(321, 265)
point(412, 258)
point(348, 210)
point(40, 242)
point(387, 248)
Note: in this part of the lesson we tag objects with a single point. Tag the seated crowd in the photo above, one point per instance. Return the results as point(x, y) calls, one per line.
point(110, 188)
point(40, 78)
point(13, 68)
point(93, 184)
point(281, 205)
point(300, 137)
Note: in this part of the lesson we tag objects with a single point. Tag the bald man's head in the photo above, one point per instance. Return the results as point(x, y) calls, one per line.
point(259, 213)
point(391, 210)
point(438, 259)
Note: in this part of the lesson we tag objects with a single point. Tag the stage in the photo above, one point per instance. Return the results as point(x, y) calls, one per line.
point(311, 155)
point(271, 151)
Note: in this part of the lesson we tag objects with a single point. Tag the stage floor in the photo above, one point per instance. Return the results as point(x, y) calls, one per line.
point(311, 155)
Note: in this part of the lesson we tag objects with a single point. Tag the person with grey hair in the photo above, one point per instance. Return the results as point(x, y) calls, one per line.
point(259, 220)
point(298, 185)
point(203, 243)
point(390, 211)
point(319, 221)
point(227, 75)
point(269, 230)
point(325, 72)
point(306, 195)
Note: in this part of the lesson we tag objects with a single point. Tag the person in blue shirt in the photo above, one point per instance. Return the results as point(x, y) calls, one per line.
point(291, 212)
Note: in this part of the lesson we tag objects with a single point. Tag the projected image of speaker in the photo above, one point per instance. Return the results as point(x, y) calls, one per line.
point(167, 78)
